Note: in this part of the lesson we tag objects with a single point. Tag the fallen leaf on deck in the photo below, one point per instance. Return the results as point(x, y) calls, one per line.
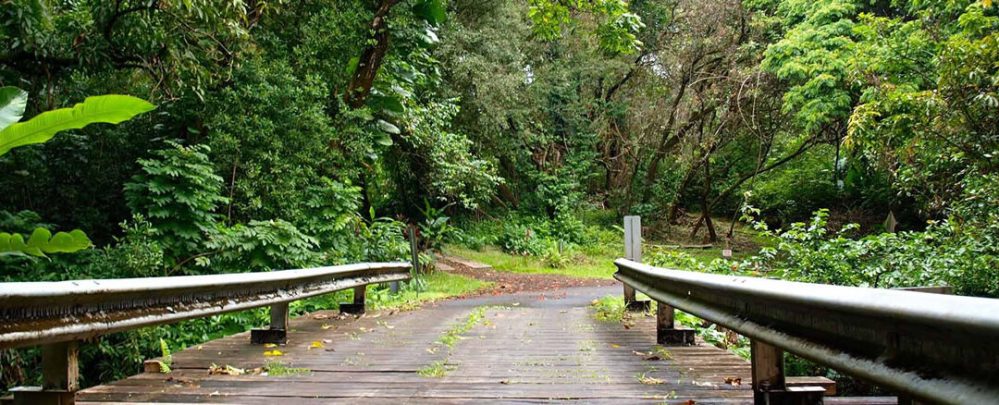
point(273, 353)
point(316, 345)
point(270, 345)
point(644, 379)
point(733, 381)
point(615, 345)
point(326, 326)
point(215, 369)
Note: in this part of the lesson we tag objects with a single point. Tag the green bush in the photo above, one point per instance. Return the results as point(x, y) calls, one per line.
point(961, 251)
point(555, 257)
point(178, 192)
point(520, 239)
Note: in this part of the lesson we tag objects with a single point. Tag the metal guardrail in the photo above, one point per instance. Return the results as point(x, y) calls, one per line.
point(933, 347)
point(36, 313)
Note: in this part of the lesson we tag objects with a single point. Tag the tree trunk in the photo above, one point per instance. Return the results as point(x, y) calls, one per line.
point(371, 58)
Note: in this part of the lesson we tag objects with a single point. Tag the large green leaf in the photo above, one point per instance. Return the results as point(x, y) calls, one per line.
point(110, 109)
point(433, 11)
point(41, 242)
point(12, 102)
point(388, 127)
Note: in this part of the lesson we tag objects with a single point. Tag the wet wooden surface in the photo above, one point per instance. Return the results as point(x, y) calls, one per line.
point(528, 347)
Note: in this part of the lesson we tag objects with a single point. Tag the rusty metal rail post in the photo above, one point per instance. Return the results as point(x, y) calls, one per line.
point(278, 331)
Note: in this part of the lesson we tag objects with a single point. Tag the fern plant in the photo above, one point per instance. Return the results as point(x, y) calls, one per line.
point(167, 359)
point(110, 109)
point(178, 192)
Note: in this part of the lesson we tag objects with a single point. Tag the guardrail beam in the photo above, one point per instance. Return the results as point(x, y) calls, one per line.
point(60, 377)
point(277, 333)
point(929, 347)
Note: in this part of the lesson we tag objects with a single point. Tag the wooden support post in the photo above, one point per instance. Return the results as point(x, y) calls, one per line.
point(414, 250)
point(277, 333)
point(769, 386)
point(357, 307)
point(633, 252)
point(666, 331)
point(768, 366)
point(60, 377)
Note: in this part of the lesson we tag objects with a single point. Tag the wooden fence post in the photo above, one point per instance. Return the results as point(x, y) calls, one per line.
point(277, 333)
point(60, 377)
point(633, 252)
point(666, 331)
point(414, 249)
point(357, 307)
point(769, 385)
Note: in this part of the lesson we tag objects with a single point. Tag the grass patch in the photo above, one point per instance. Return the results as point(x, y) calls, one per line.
point(596, 263)
point(448, 339)
point(437, 369)
point(439, 284)
point(609, 308)
point(453, 335)
point(278, 369)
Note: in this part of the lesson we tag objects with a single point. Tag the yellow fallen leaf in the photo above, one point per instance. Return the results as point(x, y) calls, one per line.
point(614, 345)
point(270, 345)
point(326, 326)
point(272, 353)
point(316, 345)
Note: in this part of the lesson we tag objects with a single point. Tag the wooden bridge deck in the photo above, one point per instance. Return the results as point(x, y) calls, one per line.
point(527, 347)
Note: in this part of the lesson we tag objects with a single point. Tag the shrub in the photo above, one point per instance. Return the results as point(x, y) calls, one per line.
point(178, 193)
point(520, 239)
point(557, 258)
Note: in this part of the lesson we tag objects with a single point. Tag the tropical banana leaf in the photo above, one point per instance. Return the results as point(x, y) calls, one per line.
point(42, 241)
point(12, 103)
point(110, 109)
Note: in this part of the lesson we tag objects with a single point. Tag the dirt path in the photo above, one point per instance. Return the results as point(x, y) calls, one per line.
point(505, 282)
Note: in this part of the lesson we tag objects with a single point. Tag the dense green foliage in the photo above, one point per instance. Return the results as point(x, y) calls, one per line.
point(301, 133)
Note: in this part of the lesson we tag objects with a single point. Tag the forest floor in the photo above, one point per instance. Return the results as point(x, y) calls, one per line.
point(744, 242)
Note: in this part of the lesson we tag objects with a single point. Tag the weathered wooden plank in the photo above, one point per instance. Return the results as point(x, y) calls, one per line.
point(532, 352)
